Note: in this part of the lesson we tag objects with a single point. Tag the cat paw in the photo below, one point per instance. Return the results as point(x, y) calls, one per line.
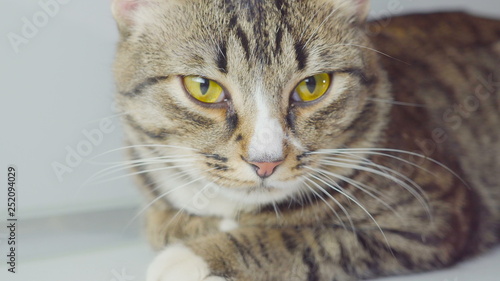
point(178, 263)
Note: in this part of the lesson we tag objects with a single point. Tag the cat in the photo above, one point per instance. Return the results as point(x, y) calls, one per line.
point(295, 140)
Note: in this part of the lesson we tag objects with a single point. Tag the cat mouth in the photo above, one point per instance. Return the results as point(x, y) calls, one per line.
point(271, 185)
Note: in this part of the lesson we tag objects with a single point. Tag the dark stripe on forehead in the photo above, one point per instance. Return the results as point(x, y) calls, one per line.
point(300, 55)
point(279, 38)
point(244, 42)
point(138, 89)
point(222, 58)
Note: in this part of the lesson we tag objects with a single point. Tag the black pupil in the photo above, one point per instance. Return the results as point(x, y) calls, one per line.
point(204, 86)
point(311, 84)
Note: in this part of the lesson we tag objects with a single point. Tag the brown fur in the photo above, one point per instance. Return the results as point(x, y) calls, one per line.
point(446, 133)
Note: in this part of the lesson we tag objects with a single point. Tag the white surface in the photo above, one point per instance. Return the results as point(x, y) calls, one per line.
point(60, 84)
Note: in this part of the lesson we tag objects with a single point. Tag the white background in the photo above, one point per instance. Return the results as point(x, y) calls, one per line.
point(59, 84)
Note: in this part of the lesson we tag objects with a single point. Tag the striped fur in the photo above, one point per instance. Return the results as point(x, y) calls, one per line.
point(394, 171)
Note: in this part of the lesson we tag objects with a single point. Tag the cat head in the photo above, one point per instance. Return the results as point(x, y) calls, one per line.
point(247, 92)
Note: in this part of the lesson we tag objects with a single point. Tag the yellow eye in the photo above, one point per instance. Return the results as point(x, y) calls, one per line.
point(203, 89)
point(312, 88)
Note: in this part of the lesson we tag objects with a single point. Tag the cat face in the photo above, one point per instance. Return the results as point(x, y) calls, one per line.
point(247, 90)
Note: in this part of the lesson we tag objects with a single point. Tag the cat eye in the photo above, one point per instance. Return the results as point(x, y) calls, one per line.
point(203, 89)
point(312, 88)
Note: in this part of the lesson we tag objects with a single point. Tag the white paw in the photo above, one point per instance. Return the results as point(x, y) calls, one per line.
point(227, 225)
point(178, 263)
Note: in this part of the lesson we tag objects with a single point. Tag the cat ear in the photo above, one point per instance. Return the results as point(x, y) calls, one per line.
point(125, 10)
point(361, 8)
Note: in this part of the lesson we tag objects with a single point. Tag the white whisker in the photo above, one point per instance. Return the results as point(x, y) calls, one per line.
point(143, 145)
point(411, 186)
point(108, 117)
point(338, 189)
point(318, 28)
point(367, 150)
point(160, 197)
point(397, 102)
point(328, 204)
point(276, 210)
point(138, 160)
point(374, 50)
point(137, 163)
point(354, 154)
point(364, 188)
point(183, 208)
point(140, 172)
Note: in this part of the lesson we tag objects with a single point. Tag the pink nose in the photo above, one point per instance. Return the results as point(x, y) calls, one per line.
point(265, 169)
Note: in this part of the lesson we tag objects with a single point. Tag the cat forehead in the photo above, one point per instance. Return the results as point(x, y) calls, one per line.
point(276, 43)
point(235, 34)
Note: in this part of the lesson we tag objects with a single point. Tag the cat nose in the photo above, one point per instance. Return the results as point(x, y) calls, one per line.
point(265, 169)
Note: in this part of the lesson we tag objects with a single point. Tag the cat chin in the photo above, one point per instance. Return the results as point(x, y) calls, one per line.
point(215, 200)
point(269, 192)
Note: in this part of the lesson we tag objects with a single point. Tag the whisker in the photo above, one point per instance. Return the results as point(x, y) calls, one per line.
point(374, 50)
point(144, 145)
point(308, 25)
point(276, 210)
point(319, 26)
point(160, 197)
point(178, 175)
point(336, 188)
point(344, 210)
point(133, 164)
point(381, 168)
point(364, 188)
point(183, 208)
point(138, 160)
point(140, 172)
point(389, 156)
point(367, 150)
point(108, 117)
point(397, 102)
point(413, 190)
point(305, 194)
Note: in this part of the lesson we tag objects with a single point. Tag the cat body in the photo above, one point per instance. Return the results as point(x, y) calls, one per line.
point(393, 170)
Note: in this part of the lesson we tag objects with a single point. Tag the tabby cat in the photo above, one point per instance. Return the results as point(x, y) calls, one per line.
point(292, 140)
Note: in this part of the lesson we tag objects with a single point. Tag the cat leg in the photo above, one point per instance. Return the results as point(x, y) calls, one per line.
point(320, 253)
point(165, 226)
